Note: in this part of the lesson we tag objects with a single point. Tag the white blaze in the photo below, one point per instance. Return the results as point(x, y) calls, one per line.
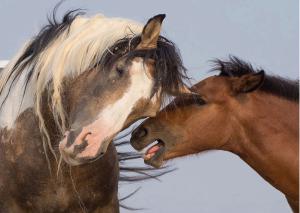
point(140, 88)
point(113, 117)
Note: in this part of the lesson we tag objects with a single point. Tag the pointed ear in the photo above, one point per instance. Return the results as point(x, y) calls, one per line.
point(248, 82)
point(150, 33)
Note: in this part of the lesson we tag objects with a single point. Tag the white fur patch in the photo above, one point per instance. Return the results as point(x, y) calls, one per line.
point(140, 88)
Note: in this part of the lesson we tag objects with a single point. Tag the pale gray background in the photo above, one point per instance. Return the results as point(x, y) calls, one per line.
point(264, 32)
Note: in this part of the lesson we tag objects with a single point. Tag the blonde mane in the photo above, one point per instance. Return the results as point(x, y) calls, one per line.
point(76, 49)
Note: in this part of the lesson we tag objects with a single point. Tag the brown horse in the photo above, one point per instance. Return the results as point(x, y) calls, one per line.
point(69, 91)
point(242, 111)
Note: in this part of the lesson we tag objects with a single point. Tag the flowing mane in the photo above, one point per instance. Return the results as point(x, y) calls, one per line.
point(60, 50)
point(276, 85)
point(66, 49)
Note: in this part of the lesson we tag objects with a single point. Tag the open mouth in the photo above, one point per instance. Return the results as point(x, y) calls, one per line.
point(154, 155)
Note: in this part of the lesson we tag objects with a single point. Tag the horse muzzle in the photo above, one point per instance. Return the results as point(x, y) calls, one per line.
point(155, 147)
point(83, 146)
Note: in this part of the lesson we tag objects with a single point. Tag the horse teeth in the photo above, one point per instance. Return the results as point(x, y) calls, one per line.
point(143, 151)
point(149, 156)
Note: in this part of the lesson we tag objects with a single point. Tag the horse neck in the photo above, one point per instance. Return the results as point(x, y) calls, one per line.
point(22, 154)
point(265, 135)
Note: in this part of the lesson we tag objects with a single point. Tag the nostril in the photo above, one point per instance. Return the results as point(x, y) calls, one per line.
point(84, 138)
point(142, 132)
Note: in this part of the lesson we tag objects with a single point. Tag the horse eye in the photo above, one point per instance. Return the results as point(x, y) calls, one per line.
point(197, 99)
point(200, 101)
point(120, 71)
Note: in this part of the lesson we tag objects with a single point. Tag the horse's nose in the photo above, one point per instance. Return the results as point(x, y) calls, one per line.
point(138, 137)
point(140, 132)
point(71, 136)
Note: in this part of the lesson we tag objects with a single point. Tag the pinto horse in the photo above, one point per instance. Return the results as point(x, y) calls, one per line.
point(66, 95)
point(243, 111)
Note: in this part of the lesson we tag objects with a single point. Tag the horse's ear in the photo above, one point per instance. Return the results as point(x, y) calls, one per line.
point(248, 82)
point(150, 33)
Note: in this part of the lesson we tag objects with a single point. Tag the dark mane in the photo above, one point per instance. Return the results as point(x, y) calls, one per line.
point(132, 173)
point(47, 34)
point(165, 55)
point(235, 67)
point(170, 72)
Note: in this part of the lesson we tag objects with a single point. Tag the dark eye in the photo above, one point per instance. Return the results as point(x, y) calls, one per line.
point(199, 100)
point(190, 100)
point(120, 71)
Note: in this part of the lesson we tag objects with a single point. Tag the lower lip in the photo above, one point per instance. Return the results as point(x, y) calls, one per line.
point(149, 156)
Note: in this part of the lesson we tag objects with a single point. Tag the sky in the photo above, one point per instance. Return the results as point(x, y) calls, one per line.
point(264, 33)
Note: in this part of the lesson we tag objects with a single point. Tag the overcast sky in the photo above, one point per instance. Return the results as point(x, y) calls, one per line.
point(263, 32)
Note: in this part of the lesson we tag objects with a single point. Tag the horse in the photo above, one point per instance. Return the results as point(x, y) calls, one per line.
point(242, 110)
point(64, 97)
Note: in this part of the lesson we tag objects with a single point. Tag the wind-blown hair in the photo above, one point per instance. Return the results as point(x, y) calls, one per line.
point(132, 173)
point(67, 49)
point(282, 87)
point(61, 49)
point(170, 73)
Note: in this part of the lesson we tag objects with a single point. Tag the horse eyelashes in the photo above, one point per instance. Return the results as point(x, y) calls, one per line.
point(190, 101)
